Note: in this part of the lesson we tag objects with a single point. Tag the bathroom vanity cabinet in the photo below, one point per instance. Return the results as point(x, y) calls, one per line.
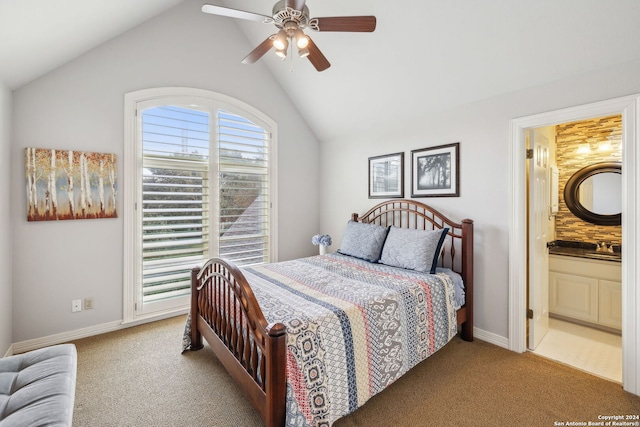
point(587, 290)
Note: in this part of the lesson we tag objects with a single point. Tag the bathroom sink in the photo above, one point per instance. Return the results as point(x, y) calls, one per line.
point(585, 253)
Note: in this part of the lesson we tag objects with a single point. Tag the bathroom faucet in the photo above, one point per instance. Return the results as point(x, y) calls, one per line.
point(604, 247)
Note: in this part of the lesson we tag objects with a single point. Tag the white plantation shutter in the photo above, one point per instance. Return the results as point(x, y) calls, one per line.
point(243, 177)
point(203, 190)
point(175, 211)
point(200, 183)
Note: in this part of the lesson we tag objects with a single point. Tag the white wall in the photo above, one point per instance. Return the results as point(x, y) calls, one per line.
point(80, 107)
point(6, 283)
point(482, 128)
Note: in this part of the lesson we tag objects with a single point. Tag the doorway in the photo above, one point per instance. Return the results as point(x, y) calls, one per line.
point(629, 107)
point(572, 286)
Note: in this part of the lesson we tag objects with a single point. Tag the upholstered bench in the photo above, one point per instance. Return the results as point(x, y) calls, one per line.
point(38, 388)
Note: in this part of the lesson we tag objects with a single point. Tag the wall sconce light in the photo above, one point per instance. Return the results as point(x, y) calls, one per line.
point(605, 146)
point(584, 148)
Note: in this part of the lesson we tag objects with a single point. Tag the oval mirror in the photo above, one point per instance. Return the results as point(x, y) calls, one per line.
point(594, 193)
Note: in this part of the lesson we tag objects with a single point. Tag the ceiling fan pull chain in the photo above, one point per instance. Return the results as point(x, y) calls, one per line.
point(291, 57)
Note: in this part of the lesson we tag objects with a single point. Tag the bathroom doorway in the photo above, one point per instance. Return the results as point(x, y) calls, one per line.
point(576, 284)
point(629, 107)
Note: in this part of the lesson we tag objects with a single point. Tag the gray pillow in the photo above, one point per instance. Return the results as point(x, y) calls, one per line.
point(363, 240)
point(413, 249)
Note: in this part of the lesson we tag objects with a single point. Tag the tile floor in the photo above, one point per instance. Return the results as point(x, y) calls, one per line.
point(591, 350)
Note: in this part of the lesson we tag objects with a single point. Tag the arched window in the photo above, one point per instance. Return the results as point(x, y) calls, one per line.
point(200, 184)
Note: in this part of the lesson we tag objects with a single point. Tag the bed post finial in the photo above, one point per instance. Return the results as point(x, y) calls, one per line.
point(354, 217)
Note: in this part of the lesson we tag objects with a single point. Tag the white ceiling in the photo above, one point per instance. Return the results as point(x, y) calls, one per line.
point(430, 55)
point(37, 36)
point(425, 55)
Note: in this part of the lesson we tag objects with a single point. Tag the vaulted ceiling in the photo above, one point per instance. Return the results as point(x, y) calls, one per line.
point(37, 36)
point(424, 56)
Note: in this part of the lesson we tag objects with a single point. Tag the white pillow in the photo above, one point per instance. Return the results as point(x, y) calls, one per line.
point(413, 249)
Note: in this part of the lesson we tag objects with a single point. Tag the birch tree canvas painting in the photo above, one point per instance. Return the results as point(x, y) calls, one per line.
point(65, 184)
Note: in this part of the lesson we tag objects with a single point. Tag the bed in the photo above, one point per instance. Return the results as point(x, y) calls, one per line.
point(311, 340)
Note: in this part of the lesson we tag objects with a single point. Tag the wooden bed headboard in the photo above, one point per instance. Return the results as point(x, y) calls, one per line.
point(457, 249)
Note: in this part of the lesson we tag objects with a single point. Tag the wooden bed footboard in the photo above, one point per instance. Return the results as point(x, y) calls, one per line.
point(224, 310)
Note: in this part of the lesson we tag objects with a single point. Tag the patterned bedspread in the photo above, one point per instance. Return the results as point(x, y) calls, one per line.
point(353, 328)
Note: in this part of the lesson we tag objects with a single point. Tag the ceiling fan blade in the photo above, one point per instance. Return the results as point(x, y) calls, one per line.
point(317, 59)
point(259, 51)
point(295, 4)
point(359, 24)
point(233, 13)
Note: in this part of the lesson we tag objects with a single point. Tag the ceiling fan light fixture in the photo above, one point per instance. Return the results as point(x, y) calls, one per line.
point(303, 52)
point(282, 53)
point(280, 42)
point(302, 41)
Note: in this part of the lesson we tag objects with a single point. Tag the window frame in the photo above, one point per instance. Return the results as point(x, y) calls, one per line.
point(201, 99)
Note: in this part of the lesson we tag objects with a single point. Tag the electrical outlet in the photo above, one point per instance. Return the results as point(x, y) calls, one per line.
point(76, 305)
point(88, 303)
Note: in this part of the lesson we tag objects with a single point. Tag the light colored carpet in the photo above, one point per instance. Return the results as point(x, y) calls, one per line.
point(138, 377)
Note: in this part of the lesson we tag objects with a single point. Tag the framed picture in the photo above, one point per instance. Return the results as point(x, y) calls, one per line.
point(66, 184)
point(386, 176)
point(435, 171)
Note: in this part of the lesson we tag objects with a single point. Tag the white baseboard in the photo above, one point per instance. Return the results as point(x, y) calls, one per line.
point(491, 338)
point(64, 337)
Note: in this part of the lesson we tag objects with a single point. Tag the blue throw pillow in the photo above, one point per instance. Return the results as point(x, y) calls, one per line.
point(363, 240)
point(413, 249)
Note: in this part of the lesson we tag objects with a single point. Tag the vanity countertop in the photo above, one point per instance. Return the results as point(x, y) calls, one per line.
point(584, 250)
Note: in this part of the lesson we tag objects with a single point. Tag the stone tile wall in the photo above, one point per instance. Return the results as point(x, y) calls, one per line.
point(568, 137)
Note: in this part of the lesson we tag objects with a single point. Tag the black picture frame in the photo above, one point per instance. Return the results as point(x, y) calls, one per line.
point(386, 176)
point(435, 171)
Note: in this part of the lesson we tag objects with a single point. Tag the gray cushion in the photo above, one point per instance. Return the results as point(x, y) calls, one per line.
point(413, 249)
point(38, 388)
point(363, 240)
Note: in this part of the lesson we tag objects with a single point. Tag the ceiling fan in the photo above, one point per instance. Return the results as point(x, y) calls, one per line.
point(291, 17)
